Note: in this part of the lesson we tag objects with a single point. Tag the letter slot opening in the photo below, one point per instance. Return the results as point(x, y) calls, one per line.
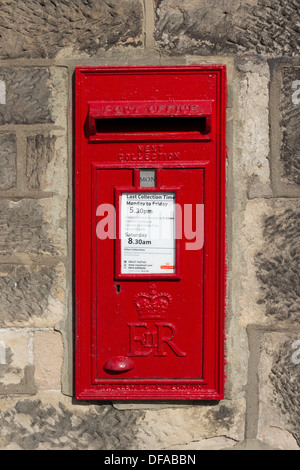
point(151, 125)
point(138, 119)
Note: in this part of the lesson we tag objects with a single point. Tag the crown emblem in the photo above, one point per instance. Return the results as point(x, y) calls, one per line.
point(152, 305)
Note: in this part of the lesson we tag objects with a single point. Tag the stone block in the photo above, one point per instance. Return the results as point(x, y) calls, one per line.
point(16, 369)
point(279, 390)
point(48, 357)
point(52, 421)
point(44, 29)
point(269, 267)
point(251, 128)
point(46, 163)
point(33, 227)
point(227, 26)
point(59, 101)
point(290, 125)
point(27, 96)
point(34, 95)
point(8, 163)
point(32, 295)
point(214, 443)
point(184, 427)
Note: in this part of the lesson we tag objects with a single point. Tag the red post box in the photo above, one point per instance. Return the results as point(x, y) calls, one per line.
point(149, 232)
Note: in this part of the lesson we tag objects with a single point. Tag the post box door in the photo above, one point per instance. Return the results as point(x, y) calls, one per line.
point(145, 320)
point(150, 232)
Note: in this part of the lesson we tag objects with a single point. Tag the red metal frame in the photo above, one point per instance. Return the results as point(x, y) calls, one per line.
point(89, 160)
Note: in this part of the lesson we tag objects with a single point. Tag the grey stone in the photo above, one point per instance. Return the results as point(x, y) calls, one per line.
point(42, 28)
point(8, 164)
point(228, 26)
point(284, 377)
point(278, 263)
point(290, 124)
point(25, 386)
point(52, 421)
point(30, 226)
point(28, 96)
point(47, 163)
point(279, 390)
point(258, 190)
point(39, 153)
point(31, 295)
point(268, 257)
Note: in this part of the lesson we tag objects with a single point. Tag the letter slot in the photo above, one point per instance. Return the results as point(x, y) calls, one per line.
point(169, 119)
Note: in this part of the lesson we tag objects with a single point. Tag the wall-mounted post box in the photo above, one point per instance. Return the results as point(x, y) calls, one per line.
point(149, 232)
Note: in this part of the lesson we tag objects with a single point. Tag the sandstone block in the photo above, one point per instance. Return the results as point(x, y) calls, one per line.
point(177, 428)
point(8, 165)
point(270, 289)
point(33, 227)
point(290, 124)
point(251, 121)
point(32, 295)
point(16, 369)
point(27, 96)
point(46, 163)
point(279, 394)
point(44, 29)
point(52, 421)
point(14, 355)
point(34, 95)
point(228, 26)
point(48, 357)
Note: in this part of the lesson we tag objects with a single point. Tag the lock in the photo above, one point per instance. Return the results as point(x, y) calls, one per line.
point(150, 232)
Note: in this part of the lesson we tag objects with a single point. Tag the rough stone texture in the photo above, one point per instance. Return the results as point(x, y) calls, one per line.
point(228, 26)
point(28, 96)
point(173, 428)
point(38, 28)
point(32, 295)
point(15, 362)
point(8, 163)
point(46, 163)
point(252, 134)
point(51, 421)
point(39, 153)
point(271, 282)
point(214, 443)
point(59, 103)
point(278, 263)
point(34, 95)
point(30, 226)
point(48, 356)
point(279, 418)
point(290, 124)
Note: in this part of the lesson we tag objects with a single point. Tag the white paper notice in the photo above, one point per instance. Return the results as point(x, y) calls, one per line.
point(147, 233)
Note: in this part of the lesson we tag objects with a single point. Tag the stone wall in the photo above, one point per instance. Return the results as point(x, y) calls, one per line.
point(40, 44)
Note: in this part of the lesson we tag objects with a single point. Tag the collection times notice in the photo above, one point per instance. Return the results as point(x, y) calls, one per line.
point(147, 233)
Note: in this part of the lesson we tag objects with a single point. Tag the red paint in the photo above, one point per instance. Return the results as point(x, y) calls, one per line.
point(161, 335)
point(118, 364)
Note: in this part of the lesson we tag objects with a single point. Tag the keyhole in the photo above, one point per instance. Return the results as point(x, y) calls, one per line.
point(118, 288)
